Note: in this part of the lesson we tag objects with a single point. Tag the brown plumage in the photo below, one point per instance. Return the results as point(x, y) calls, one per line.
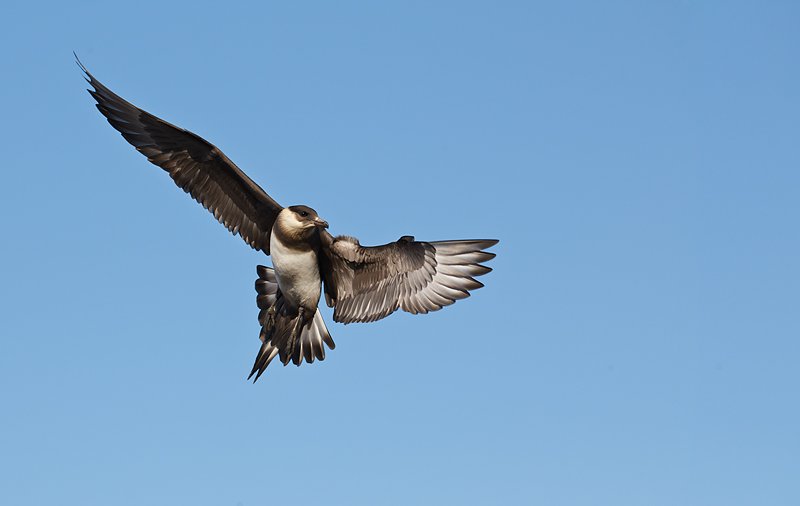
point(362, 284)
point(365, 284)
point(197, 166)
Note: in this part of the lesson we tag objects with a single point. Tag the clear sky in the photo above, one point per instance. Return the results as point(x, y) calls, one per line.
point(637, 343)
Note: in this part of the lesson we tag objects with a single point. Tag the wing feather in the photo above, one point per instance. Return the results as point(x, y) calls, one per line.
point(198, 167)
point(365, 284)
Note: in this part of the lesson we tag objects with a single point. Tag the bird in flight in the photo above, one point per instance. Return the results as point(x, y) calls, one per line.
point(361, 283)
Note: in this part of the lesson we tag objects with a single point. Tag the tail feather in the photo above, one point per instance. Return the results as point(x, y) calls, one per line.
point(264, 357)
point(267, 289)
point(310, 345)
point(277, 324)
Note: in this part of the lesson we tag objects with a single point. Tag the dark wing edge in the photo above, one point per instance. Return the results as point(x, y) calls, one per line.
point(365, 284)
point(198, 167)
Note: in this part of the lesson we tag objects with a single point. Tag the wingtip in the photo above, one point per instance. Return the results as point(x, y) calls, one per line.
point(80, 63)
point(86, 74)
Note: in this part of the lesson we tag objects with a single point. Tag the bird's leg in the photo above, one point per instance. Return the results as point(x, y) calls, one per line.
point(270, 324)
point(296, 330)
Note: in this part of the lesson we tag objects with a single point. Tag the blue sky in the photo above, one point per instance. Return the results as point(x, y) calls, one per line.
point(637, 342)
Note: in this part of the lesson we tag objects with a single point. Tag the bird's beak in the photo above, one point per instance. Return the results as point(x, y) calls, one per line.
point(320, 222)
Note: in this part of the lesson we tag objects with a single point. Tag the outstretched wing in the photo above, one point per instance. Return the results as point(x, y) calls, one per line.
point(365, 284)
point(197, 166)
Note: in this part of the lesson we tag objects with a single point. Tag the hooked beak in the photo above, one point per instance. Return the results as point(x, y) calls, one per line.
point(320, 222)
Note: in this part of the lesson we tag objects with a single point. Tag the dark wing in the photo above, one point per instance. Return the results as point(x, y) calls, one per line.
point(198, 167)
point(365, 284)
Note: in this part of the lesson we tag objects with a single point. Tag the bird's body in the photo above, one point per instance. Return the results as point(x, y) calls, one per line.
point(362, 284)
point(296, 262)
point(298, 274)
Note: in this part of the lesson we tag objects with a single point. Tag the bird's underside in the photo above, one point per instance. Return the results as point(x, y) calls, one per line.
point(362, 284)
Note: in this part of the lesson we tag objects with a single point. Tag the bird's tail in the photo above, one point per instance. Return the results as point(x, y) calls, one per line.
point(278, 326)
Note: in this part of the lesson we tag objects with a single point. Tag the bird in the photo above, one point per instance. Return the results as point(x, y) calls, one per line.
point(361, 283)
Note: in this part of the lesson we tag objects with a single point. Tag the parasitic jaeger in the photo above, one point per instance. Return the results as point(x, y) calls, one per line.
point(361, 283)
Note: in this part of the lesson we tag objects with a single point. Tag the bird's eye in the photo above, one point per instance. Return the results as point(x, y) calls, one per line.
point(304, 214)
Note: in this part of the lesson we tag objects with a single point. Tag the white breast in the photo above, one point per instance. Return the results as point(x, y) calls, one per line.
point(297, 273)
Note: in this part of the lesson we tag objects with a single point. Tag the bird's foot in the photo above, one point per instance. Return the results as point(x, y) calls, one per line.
point(271, 317)
point(293, 350)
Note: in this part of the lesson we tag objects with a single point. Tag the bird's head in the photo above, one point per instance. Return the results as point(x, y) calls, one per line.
point(303, 218)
